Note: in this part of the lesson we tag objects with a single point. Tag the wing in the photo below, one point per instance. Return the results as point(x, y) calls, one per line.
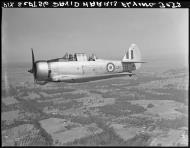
point(86, 78)
point(133, 62)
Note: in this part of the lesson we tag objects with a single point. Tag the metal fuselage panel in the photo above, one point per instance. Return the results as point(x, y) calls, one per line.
point(76, 68)
point(60, 68)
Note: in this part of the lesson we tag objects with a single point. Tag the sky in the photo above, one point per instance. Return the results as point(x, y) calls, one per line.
point(161, 34)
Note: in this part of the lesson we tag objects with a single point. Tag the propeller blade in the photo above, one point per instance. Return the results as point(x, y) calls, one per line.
point(33, 70)
point(33, 59)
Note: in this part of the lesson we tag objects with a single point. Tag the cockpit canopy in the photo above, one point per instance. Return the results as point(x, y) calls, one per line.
point(75, 57)
point(80, 57)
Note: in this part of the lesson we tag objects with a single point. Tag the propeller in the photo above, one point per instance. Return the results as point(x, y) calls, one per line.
point(33, 70)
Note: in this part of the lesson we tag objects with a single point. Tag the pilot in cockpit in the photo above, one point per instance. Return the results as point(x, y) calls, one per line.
point(92, 58)
point(70, 57)
point(75, 57)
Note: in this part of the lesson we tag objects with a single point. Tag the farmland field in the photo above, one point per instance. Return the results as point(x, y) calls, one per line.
point(125, 111)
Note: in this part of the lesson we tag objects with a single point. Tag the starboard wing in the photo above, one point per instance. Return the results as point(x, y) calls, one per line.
point(86, 78)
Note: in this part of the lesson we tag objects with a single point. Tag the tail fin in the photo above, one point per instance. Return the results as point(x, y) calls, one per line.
point(133, 55)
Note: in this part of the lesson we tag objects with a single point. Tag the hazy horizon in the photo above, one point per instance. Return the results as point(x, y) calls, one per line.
point(161, 34)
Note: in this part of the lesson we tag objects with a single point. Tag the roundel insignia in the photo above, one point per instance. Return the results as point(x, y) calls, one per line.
point(110, 67)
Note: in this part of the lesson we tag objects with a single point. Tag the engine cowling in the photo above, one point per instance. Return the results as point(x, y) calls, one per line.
point(42, 71)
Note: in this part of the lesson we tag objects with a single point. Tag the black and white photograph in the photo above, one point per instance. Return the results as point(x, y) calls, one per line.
point(95, 77)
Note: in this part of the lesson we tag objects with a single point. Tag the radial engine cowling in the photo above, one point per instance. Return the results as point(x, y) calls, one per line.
point(42, 71)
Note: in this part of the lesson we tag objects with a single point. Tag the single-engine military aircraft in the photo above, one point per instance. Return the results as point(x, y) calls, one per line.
point(79, 68)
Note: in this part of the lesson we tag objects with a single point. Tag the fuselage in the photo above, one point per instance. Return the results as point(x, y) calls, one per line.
point(85, 67)
point(70, 70)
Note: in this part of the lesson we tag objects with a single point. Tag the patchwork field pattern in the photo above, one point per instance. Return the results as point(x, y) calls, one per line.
point(145, 110)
